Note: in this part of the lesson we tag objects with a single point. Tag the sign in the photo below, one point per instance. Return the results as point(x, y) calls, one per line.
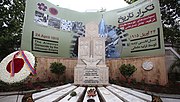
point(91, 75)
point(53, 31)
point(132, 31)
point(142, 30)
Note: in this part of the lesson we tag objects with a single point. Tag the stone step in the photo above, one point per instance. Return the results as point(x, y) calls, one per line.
point(143, 96)
point(126, 97)
point(86, 97)
point(108, 96)
point(57, 95)
point(111, 93)
point(39, 95)
point(79, 91)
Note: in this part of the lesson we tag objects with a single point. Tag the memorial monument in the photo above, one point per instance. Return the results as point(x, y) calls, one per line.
point(91, 68)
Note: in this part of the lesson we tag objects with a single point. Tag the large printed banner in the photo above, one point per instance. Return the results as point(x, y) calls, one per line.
point(132, 31)
point(141, 22)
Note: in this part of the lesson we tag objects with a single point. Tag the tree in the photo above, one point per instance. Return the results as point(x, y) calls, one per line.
point(170, 11)
point(58, 69)
point(11, 22)
point(127, 70)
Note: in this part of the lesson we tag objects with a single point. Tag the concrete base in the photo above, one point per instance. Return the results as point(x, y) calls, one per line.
point(91, 76)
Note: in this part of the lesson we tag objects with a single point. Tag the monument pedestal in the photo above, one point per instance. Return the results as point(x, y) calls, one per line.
point(91, 68)
point(91, 76)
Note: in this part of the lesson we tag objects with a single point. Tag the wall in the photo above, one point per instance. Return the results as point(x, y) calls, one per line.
point(158, 75)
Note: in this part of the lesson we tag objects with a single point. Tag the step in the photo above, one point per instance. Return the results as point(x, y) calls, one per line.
point(57, 95)
point(41, 94)
point(143, 96)
point(124, 96)
point(86, 97)
point(108, 96)
point(79, 91)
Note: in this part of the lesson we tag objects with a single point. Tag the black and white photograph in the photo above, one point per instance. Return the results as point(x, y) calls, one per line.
point(54, 22)
point(66, 25)
point(41, 18)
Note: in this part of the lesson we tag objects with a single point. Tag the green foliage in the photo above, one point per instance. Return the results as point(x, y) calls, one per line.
point(127, 70)
point(133, 81)
point(73, 94)
point(170, 19)
point(173, 73)
point(130, 1)
point(57, 68)
point(112, 81)
point(11, 22)
point(175, 64)
point(11, 87)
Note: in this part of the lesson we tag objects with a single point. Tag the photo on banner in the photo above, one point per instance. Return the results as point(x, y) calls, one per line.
point(132, 31)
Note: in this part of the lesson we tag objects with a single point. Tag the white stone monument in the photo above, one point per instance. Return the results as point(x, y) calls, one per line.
point(91, 68)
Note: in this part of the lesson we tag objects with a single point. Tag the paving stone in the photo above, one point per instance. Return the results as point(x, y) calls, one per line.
point(56, 95)
point(125, 96)
point(107, 95)
point(38, 95)
point(86, 97)
point(79, 92)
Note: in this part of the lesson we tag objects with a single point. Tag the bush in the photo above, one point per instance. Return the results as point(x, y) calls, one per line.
point(127, 70)
point(58, 69)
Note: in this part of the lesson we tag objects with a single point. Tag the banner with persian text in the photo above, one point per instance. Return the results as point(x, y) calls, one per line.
point(50, 30)
point(142, 28)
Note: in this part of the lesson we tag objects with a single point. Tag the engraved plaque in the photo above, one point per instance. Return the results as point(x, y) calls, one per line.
point(91, 76)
